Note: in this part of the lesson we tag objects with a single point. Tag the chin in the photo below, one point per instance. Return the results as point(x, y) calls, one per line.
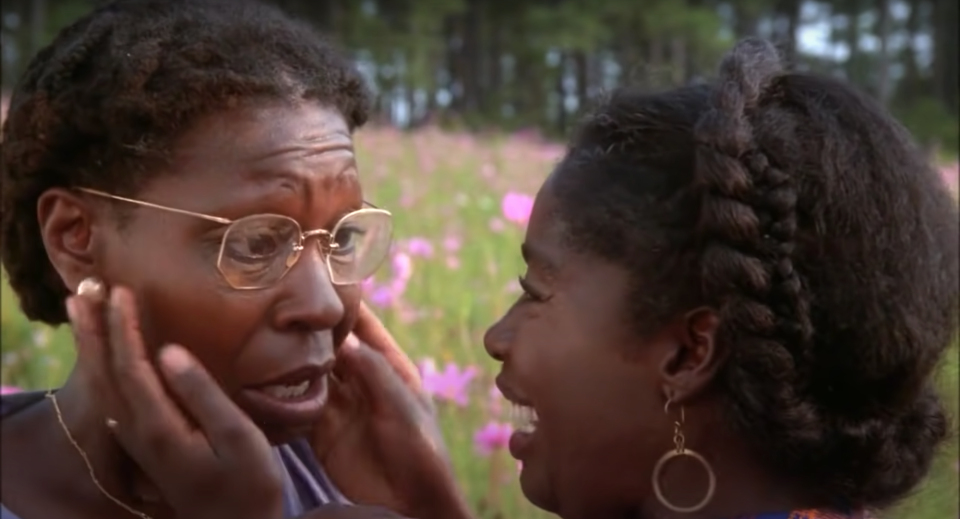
point(536, 488)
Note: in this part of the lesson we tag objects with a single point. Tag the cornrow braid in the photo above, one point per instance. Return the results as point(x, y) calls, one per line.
point(102, 104)
point(746, 228)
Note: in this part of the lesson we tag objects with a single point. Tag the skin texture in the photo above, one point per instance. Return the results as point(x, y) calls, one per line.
point(222, 107)
point(296, 161)
point(599, 388)
point(758, 252)
point(291, 160)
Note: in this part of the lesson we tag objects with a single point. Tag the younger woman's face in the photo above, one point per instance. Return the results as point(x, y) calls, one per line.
point(263, 346)
point(570, 356)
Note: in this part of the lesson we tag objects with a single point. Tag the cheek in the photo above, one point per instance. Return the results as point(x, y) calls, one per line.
point(213, 325)
point(182, 299)
point(599, 421)
point(592, 390)
point(588, 394)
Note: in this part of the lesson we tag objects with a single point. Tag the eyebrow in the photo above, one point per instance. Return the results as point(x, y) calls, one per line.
point(266, 174)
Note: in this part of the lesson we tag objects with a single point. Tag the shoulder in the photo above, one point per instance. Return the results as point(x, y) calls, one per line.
point(307, 477)
point(349, 512)
point(13, 403)
point(7, 514)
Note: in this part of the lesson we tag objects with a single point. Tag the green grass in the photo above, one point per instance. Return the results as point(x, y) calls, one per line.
point(439, 187)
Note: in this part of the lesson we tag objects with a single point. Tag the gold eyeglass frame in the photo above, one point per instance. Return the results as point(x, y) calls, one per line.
point(327, 245)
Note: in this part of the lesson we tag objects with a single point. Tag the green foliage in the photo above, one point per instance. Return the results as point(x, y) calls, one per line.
point(511, 64)
point(932, 124)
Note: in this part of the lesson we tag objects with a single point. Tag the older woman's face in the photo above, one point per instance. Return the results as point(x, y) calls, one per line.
point(295, 161)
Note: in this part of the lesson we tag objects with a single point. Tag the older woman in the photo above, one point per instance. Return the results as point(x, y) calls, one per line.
point(196, 157)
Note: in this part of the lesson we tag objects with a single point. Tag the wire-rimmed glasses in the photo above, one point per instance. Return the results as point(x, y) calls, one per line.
point(258, 250)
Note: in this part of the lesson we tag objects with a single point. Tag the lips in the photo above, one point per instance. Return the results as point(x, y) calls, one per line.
point(292, 400)
point(524, 420)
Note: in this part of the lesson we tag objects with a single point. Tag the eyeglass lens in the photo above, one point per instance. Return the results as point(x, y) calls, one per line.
point(257, 251)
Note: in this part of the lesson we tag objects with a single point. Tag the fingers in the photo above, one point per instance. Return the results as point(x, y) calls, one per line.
point(375, 377)
point(341, 409)
point(387, 395)
point(152, 425)
point(226, 427)
point(136, 378)
point(371, 331)
point(223, 424)
point(88, 328)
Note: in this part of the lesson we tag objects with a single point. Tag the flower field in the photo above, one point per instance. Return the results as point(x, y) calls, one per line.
point(460, 203)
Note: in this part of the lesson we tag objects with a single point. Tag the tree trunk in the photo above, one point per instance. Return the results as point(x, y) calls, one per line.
point(883, 84)
point(582, 72)
point(945, 68)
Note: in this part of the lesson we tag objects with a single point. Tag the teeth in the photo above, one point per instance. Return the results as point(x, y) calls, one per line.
point(287, 392)
point(523, 418)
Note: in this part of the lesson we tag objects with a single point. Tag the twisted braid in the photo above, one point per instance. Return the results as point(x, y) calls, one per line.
point(801, 211)
point(747, 227)
point(748, 233)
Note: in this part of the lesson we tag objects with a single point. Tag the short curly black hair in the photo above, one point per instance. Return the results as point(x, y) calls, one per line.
point(805, 215)
point(102, 104)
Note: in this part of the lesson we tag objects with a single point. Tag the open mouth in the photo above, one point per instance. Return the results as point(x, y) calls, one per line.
point(295, 399)
point(523, 418)
point(286, 391)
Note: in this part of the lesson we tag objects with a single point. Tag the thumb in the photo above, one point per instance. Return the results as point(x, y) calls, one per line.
point(374, 377)
point(371, 332)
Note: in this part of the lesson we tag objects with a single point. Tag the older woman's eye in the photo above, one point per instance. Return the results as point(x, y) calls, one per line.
point(347, 238)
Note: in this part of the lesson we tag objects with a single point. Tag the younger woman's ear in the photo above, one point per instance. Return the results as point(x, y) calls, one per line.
point(694, 363)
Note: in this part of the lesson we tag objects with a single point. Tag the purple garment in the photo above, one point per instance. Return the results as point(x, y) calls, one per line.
point(305, 485)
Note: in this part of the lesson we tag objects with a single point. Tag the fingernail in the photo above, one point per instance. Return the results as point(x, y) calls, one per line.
point(116, 297)
point(92, 288)
point(175, 359)
point(351, 342)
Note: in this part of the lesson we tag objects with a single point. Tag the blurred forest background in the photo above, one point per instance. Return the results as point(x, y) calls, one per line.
point(533, 64)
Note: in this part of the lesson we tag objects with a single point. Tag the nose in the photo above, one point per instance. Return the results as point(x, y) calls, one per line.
point(309, 302)
point(497, 339)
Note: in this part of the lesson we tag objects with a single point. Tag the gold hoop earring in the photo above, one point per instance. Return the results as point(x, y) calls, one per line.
point(681, 450)
point(91, 287)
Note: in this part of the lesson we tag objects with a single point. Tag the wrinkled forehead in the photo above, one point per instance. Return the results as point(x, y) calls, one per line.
point(263, 131)
point(261, 158)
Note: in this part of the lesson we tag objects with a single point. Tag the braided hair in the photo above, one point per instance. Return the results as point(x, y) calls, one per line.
point(805, 216)
point(102, 105)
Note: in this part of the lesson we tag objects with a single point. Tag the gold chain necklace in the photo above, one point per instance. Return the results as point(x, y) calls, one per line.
point(93, 477)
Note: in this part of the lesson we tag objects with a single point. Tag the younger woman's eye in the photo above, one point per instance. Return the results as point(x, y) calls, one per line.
point(529, 292)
